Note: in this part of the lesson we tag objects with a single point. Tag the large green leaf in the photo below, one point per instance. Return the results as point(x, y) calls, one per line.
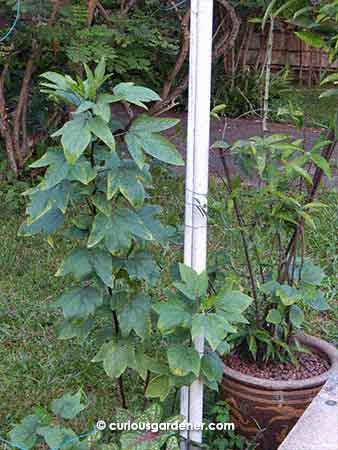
point(212, 367)
point(274, 316)
point(102, 266)
point(137, 95)
point(79, 302)
point(135, 149)
point(148, 215)
point(57, 437)
point(82, 262)
point(75, 329)
point(42, 201)
point(141, 365)
point(57, 171)
point(183, 360)
point(126, 178)
point(296, 316)
point(171, 315)
point(213, 327)
point(288, 294)
point(52, 156)
point(82, 171)
point(117, 356)
point(101, 130)
point(75, 139)
point(317, 301)
point(158, 387)
point(323, 164)
point(60, 170)
point(118, 230)
point(77, 263)
point(25, 433)
point(160, 148)
point(59, 80)
point(232, 301)
point(143, 135)
point(46, 224)
point(311, 274)
point(149, 124)
point(141, 266)
point(194, 285)
point(68, 406)
point(329, 93)
point(135, 315)
point(312, 39)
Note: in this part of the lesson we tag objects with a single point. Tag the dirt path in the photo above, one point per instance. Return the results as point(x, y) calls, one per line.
point(233, 130)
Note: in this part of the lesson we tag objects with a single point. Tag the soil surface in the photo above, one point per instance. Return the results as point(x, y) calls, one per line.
point(310, 365)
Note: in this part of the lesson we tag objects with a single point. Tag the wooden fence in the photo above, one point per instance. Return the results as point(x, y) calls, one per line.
point(306, 63)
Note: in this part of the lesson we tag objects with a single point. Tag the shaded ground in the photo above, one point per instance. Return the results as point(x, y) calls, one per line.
point(234, 129)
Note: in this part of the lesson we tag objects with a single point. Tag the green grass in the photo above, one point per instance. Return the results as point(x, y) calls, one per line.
point(36, 367)
point(322, 247)
point(316, 110)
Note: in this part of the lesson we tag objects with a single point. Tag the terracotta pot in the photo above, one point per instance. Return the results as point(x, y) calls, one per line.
point(268, 409)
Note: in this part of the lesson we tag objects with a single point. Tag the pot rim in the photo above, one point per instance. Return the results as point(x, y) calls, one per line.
point(277, 385)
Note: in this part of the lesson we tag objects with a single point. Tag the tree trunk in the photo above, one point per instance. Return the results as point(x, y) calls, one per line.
point(5, 128)
point(17, 142)
point(221, 47)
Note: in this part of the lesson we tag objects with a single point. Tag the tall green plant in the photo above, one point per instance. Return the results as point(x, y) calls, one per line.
point(282, 281)
point(91, 178)
point(99, 177)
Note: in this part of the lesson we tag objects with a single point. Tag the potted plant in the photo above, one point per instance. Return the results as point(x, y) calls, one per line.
point(274, 371)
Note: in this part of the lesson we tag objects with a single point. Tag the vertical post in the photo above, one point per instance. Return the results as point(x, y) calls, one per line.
point(195, 243)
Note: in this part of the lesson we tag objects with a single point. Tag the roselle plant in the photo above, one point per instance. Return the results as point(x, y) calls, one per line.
point(279, 208)
point(98, 177)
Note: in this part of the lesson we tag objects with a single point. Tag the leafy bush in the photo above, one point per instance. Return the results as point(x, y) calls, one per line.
point(281, 279)
point(243, 93)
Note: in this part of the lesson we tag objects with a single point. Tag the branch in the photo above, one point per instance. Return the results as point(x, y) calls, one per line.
point(327, 153)
point(243, 237)
point(126, 6)
point(55, 12)
point(104, 13)
point(184, 21)
point(220, 49)
point(92, 4)
point(5, 129)
point(168, 99)
point(229, 39)
point(20, 151)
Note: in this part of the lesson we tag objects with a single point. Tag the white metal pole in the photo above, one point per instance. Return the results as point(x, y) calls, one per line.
point(197, 174)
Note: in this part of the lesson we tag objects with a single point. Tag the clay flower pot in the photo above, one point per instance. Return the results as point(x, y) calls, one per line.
point(270, 408)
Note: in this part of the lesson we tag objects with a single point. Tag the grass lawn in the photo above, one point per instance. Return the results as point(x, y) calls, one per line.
point(36, 367)
point(316, 110)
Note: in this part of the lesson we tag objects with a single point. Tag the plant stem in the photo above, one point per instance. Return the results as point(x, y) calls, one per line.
point(268, 76)
point(120, 389)
point(316, 179)
point(244, 240)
